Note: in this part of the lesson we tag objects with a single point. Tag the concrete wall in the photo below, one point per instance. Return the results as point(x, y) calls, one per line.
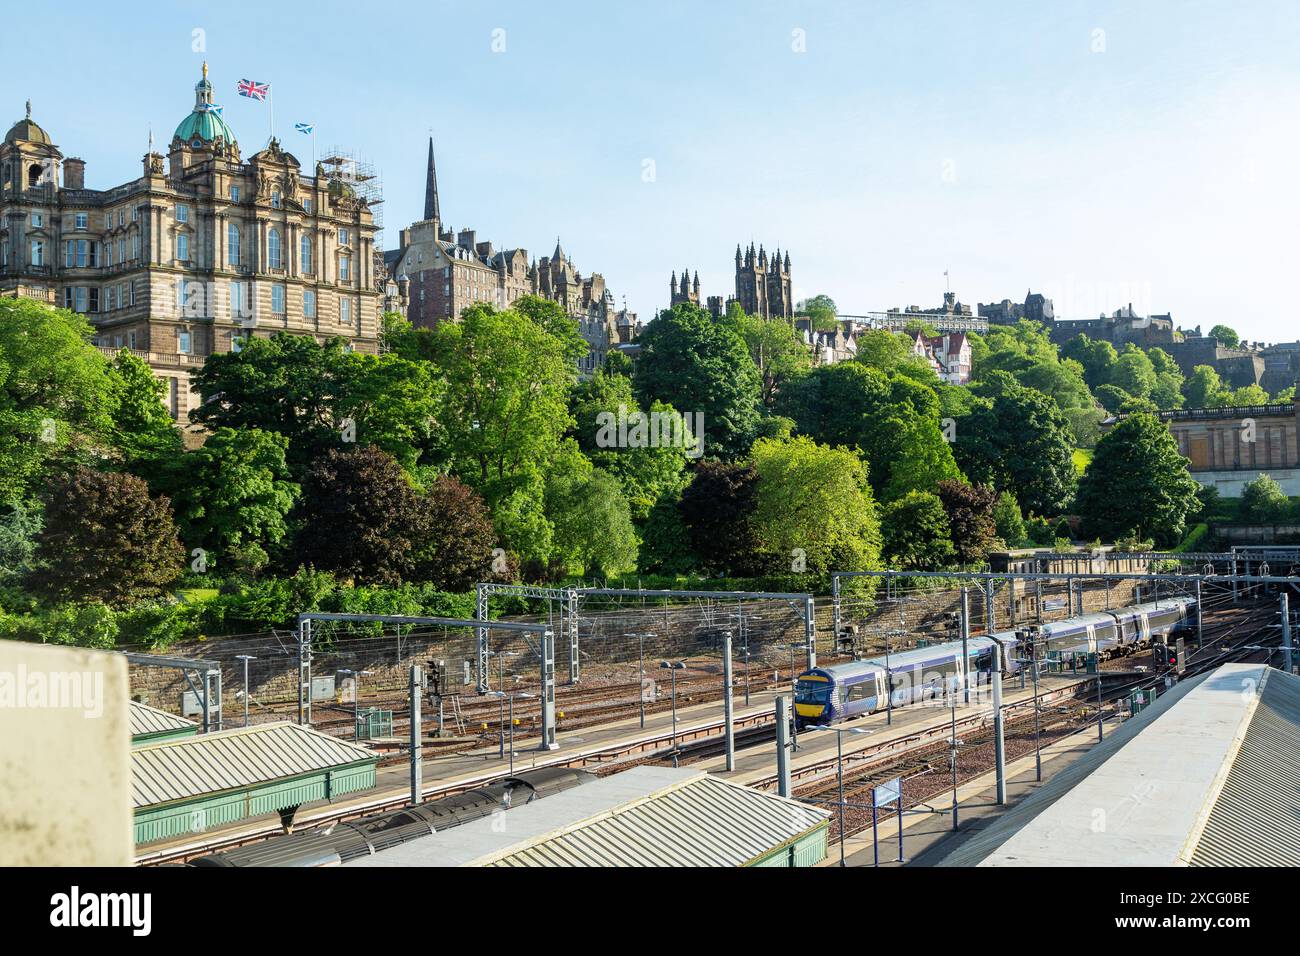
point(65, 739)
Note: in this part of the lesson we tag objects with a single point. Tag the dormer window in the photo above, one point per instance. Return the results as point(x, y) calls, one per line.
point(196, 143)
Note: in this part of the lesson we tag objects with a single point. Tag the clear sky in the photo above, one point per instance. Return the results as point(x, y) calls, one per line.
point(1100, 152)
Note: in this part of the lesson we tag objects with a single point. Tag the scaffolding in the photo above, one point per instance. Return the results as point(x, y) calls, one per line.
point(350, 168)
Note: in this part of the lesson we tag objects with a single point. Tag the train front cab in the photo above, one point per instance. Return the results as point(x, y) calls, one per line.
point(814, 694)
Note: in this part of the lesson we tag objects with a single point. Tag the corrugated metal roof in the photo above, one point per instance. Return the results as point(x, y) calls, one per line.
point(191, 767)
point(703, 822)
point(1255, 820)
point(151, 720)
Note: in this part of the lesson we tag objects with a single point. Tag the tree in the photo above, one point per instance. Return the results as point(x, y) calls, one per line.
point(702, 367)
point(1137, 482)
point(1025, 351)
point(1134, 372)
point(1249, 395)
point(1226, 336)
point(234, 495)
point(593, 525)
point(56, 393)
point(1112, 398)
point(778, 352)
point(970, 518)
point(1098, 359)
point(821, 312)
point(20, 522)
point(1264, 502)
point(665, 540)
point(142, 428)
point(652, 460)
point(882, 349)
point(891, 419)
point(503, 414)
point(916, 533)
point(319, 397)
point(360, 517)
point(1204, 389)
point(1017, 440)
point(1007, 519)
point(105, 539)
point(456, 552)
point(718, 508)
point(815, 509)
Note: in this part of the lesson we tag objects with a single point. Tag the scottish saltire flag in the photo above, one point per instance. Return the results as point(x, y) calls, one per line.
point(212, 108)
point(254, 89)
point(304, 128)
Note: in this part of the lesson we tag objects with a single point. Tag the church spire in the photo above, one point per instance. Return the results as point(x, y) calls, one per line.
point(431, 210)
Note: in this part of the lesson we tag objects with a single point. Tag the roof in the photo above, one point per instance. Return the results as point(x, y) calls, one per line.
point(205, 122)
point(146, 720)
point(190, 767)
point(646, 816)
point(26, 130)
point(1208, 776)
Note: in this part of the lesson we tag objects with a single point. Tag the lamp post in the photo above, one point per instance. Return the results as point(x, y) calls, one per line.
point(245, 658)
point(640, 656)
point(1030, 636)
point(839, 770)
point(673, 668)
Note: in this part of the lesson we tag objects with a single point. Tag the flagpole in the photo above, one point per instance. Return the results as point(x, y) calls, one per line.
point(270, 102)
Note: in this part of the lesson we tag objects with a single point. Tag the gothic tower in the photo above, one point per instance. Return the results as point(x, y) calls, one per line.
point(431, 210)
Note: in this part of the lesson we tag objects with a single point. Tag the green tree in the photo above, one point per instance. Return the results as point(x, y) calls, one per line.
point(1226, 336)
point(20, 523)
point(882, 349)
point(778, 352)
point(1098, 358)
point(1025, 351)
point(1017, 440)
point(1249, 395)
point(1008, 520)
point(142, 429)
point(1264, 502)
point(1112, 398)
point(105, 539)
point(821, 312)
point(360, 517)
point(700, 366)
point(56, 393)
point(916, 533)
point(1134, 372)
point(504, 414)
point(593, 524)
point(666, 541)
point(234, 495)
point(319, 397)
point(457, 551)
point(1204, 389)
point(815, 509)
point(1137, 482)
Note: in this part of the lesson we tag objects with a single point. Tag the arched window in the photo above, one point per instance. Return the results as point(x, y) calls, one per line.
point(306, 256)
point(273, 249)
point(34, 174)
point(232, 243)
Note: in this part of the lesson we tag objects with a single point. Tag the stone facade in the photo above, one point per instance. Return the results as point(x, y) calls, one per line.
point(949, 355)
point(199, 253)
point(1229, 447)
point(1037, 307)
point(439, 272)
point(763, 285)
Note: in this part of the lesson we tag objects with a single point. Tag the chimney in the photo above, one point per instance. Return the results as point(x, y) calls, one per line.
point(74, 173)
point(466, 239)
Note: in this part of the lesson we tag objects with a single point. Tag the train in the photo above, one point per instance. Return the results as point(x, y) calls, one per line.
point(826, 694)
point(331, 846)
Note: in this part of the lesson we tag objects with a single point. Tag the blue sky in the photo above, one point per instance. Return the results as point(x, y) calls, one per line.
point(1100, 152)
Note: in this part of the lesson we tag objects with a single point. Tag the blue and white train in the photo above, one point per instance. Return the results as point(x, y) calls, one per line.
point(826, 694)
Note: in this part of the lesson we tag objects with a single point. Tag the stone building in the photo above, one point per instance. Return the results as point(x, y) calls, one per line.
point(763, 285)
point(199, 253)
point(440, 271)
point(1229, 447)
point(1037, 307)
point(949, 354)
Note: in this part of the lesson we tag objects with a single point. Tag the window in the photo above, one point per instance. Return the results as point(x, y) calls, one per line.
point(275, 199)
point(69, 253)
point(131, 287)
point(131, 338)
point(309, 303)
point(67, 297)
point(135, 213)
point(345, 311)
point(183, 341)
point(38, 252)
point(183, 248)
point(306, 256)
point(273, 249)
point(108, 254)
point(135, 246)
point(182, 213)
point(121, 217)
point(345, 268)
point(277, 299)
point(121, 295)
point(306, 205)
point(108, 220)
point(232, 244)
point(37, 220)
point(234, 194)
point(121, 251)
point(236, 342)
point(81, 220)
point(344, 237)
point(81, 298)
point(94, 299)
point(239, 309)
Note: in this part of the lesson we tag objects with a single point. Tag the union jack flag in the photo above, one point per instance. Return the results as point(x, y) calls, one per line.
point(254, 89)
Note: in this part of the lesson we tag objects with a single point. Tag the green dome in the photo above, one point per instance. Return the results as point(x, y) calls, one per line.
point(203, 124)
